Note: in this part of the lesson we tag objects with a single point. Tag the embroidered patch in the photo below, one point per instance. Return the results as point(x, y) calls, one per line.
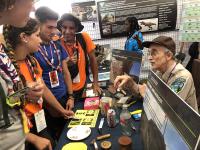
point(178, 84)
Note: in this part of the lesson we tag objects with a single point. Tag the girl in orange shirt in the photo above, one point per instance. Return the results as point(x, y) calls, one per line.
point(21, 43)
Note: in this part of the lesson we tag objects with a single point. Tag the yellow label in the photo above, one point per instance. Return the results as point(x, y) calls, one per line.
point(75, 146)
point(136, 112)
point(25, 122)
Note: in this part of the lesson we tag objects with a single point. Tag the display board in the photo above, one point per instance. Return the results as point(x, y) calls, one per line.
point(125, 62)
point(190, 21)
point(85, 11)
point(103, 56)
point(176, 121)
point(153, 15)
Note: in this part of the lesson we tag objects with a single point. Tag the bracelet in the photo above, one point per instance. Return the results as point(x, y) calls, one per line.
point(71, 97)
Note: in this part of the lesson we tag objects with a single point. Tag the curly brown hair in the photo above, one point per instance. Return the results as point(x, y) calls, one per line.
point(5, 4)
point(12, 39)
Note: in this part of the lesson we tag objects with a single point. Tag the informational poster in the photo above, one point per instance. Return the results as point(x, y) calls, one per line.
point(125, 62)
point(153, 15)
point(103, 56)
point(176, 121)
point(85, 117)
point(190, 21)
point(85, 11)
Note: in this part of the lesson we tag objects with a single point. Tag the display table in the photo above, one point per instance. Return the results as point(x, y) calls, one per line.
point(115, 132)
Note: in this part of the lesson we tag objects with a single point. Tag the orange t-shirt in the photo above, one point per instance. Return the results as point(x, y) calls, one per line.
point(90, 46)
point(30, 108)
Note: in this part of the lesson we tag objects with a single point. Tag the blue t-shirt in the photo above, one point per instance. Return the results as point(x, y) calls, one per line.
point(49, 49)
point(132, 44)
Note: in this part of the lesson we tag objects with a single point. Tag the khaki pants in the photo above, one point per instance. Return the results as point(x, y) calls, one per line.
point(13, 138)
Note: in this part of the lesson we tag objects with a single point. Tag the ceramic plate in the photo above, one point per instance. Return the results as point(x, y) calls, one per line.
point(78, 133)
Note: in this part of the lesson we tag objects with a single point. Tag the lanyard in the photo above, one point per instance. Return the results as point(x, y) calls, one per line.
point(171, 73)
point(46, 58)
point(30, 68)
point(74, 48)
point(51, 51)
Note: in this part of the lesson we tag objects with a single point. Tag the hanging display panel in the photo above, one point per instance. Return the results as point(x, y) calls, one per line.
point(190, 21)
point(152, 15)
point(85, 11)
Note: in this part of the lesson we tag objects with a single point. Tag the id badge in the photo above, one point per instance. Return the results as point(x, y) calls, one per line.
point(53, 75)
point(76, 79)
point(40, 120)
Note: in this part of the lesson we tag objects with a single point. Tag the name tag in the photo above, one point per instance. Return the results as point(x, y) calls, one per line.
point(40, 120)
point(53, 76)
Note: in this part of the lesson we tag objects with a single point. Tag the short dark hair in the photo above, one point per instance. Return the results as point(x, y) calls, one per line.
point(44, 13)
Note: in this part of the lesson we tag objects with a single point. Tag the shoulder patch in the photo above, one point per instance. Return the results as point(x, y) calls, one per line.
point(178, 84)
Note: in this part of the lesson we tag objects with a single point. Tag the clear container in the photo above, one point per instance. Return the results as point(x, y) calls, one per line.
point(105, 103)
point(126, 121)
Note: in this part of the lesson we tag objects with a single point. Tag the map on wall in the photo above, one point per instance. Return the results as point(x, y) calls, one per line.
point(190, 21)
point(85, 11)
point(152, 15)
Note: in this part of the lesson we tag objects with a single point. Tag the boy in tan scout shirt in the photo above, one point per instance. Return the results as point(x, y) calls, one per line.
point(162, 51)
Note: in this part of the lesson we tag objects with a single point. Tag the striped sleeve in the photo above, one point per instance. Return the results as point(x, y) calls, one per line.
point(7, 69)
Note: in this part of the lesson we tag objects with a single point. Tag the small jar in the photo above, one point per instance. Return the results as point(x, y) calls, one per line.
point(125, 143)
point(106, 145)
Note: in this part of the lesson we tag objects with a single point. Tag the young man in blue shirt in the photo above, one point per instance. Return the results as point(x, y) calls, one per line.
point(53, 60)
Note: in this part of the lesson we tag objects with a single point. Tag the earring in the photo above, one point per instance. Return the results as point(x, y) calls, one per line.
point(10, 7)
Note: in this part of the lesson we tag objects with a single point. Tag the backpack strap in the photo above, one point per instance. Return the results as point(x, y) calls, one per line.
point(5, 109)
point(140, 46)
point(82, 42)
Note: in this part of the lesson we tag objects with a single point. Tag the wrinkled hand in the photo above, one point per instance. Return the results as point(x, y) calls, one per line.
point(70, 104)
point(122, 80)
point(97, 90)
point(35, 92)
point(42, 143)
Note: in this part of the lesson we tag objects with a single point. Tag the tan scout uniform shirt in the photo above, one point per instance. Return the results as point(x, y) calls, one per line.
point(180, 81)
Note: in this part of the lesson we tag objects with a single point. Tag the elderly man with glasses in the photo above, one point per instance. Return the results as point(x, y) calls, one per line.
point(162, 58)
